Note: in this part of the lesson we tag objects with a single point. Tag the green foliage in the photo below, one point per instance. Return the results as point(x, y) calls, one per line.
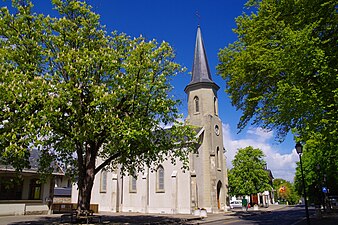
point(320, 170)
point(282, 70)
point(285, 191)
point(71, 89)
point(20, 87)
point(248, 175)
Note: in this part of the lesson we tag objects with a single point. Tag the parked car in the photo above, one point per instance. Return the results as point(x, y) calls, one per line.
point(236, 204)
point(333, 202)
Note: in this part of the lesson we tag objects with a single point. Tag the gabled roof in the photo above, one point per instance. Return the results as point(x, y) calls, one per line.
point(33, 162)
point(200, 71)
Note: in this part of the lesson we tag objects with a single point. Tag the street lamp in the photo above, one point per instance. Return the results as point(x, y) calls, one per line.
point(299, 149)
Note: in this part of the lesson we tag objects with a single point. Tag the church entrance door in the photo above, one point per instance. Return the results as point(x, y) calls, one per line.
point(219, 188)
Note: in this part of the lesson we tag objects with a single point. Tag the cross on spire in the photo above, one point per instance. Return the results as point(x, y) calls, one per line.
point(198, 16)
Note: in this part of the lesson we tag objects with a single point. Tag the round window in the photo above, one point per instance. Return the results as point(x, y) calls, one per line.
point(217, 130)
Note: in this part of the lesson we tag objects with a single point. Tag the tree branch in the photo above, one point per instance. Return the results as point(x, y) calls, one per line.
point(105, 163)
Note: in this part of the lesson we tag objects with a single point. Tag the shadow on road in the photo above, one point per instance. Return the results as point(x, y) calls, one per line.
point(286, 217)
point(118, 219)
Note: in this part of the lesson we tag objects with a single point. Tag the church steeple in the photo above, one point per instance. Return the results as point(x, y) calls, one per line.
point(200, 71)
point(208, 169)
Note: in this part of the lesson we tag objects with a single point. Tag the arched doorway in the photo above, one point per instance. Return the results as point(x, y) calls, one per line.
point(219, 189)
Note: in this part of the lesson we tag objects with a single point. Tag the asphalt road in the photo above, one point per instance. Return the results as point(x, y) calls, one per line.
point(273, 215)
point(286, 216)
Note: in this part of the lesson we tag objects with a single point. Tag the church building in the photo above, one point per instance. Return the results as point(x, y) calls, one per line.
point(167, 189)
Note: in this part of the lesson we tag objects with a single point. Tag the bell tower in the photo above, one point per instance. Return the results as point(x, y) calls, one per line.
point(208, 168)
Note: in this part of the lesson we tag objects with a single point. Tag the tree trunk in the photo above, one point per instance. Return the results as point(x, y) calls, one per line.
point(85, 185)
point(86, 179)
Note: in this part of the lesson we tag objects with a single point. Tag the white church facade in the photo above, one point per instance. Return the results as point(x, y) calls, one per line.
point(168, 189)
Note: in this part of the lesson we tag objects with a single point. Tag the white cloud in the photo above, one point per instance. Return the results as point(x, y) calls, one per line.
point(261, 134)
point(281, 165)
point(169, 125)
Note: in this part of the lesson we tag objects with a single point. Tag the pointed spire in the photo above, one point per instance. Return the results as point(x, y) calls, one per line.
point(200, 71)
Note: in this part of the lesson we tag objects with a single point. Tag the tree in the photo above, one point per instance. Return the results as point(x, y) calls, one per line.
point(320, 170)
point(282, 70)
point(285, 191)
point(249, 174)
point(77, 93)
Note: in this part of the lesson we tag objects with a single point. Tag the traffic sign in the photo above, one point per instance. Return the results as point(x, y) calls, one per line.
point(324, 190)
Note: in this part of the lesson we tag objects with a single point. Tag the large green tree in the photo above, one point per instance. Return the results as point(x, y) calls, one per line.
point(248, 175)
point(77, 93)
point(282, 70)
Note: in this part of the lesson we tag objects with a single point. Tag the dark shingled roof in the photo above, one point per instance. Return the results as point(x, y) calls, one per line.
point(200, 72)
point(34, 164)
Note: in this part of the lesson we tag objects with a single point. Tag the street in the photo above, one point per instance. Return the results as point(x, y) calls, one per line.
point(276, 215)
point(286, 216)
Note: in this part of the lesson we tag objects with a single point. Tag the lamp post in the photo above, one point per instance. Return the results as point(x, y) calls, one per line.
point(299, 149)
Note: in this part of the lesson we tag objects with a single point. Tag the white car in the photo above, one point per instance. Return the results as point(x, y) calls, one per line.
point(236, 204)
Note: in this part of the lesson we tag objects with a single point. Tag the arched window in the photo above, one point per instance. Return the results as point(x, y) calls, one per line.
point(160, 179)
point(215, 106)
point(132, 184)
point(218, 158)
point(197, 104)
point(103, 181)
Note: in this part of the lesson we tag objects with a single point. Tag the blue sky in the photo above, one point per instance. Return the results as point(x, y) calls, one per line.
point(175, 21)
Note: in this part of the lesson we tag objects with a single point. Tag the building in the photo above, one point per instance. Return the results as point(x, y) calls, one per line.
point(27, 194)
point(263, 199)
point(167, 189)
point(62, 195)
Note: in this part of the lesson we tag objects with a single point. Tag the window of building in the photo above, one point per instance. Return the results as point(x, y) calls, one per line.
point(218, 159)
point(10, 188)
point(197, 104)
point(35, 190)
point(215, 106)
point(132, 184)
point(103, 181)
point(160, 179)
